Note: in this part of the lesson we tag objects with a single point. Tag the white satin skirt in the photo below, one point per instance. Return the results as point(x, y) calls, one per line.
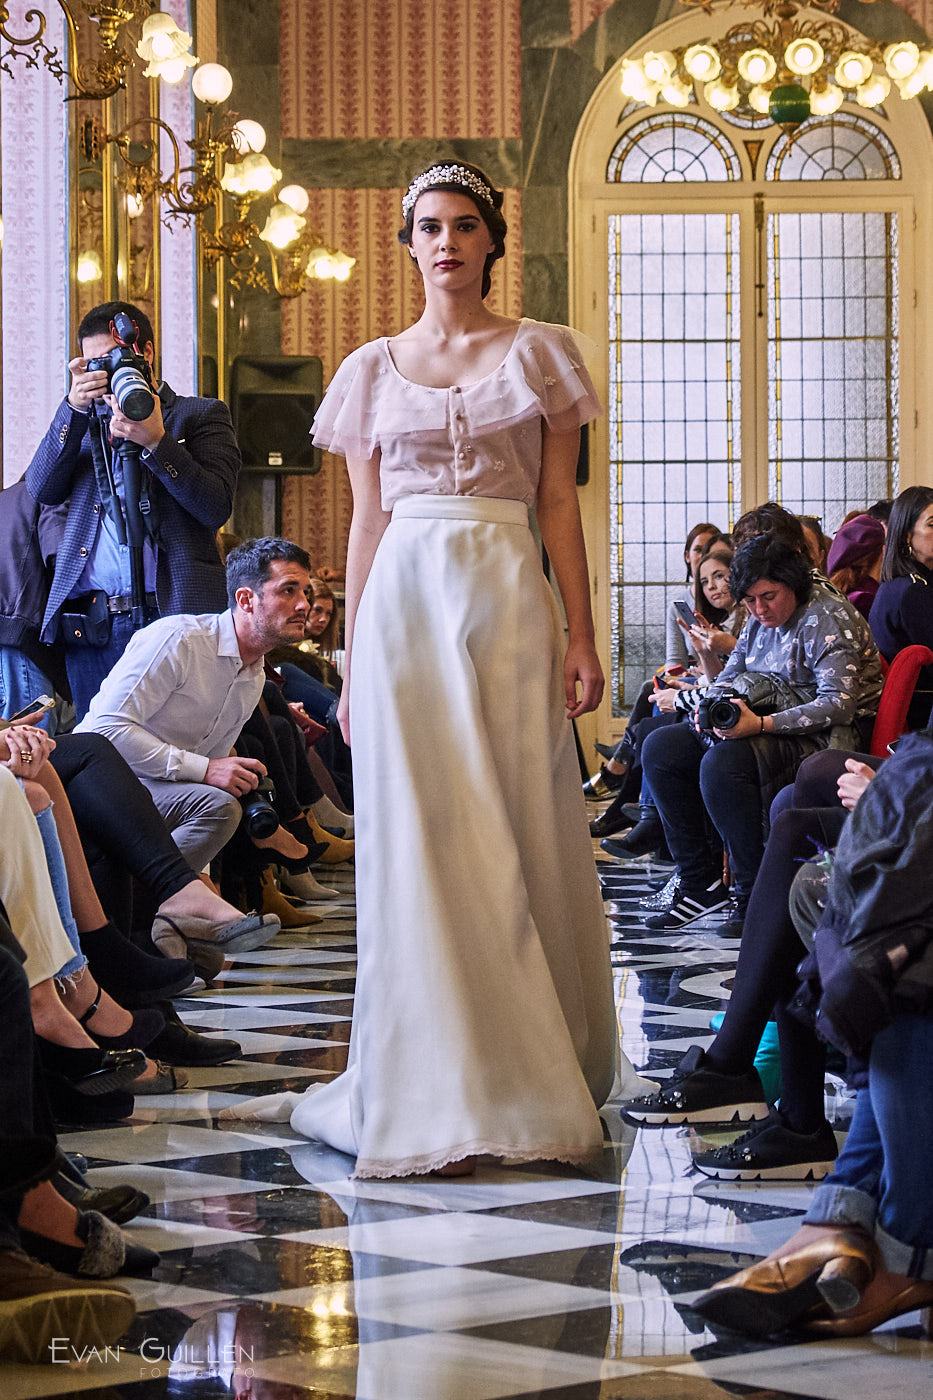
point(484, 1018)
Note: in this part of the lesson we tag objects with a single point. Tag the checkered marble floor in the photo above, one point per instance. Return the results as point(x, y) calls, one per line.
point(281, 1277)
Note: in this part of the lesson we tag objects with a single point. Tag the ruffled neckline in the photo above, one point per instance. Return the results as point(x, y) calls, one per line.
point(445, 389)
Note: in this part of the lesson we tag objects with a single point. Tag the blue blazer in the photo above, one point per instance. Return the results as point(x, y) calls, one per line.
point(192, 477)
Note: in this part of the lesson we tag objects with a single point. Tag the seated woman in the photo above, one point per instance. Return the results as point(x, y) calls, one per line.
point(719, 620)
point(817, 543)
point(821, 647)
point(902, 612)
point(854, 562)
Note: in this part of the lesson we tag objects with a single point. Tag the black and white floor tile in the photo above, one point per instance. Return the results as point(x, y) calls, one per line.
point(282, 1278)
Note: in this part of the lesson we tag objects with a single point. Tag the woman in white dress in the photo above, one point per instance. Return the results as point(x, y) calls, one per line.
point(484, 1020)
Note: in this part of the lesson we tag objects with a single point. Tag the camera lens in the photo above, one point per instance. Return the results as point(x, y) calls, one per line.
point(132, 393)
point(723, 714)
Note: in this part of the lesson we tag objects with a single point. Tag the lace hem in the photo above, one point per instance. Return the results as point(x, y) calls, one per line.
point(421, 1166)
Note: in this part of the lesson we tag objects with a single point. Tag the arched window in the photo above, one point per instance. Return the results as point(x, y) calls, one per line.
point(759, 342)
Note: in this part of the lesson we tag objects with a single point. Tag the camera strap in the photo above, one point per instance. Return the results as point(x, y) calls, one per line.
point(103, 470)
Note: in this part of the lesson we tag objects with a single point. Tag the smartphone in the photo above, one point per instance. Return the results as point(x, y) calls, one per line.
point(41, 705)
point(685, 613)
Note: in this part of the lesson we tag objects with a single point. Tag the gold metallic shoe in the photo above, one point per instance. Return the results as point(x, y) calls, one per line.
point(775, 1294)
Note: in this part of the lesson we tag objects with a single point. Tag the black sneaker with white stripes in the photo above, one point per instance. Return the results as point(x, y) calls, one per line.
point(690, 905)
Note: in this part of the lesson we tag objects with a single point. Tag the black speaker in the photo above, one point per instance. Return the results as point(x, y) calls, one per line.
point(273, 399)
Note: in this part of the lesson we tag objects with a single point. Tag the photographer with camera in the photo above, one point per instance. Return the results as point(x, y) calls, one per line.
point(804, 675)
point(149, 478)
point(175, 702)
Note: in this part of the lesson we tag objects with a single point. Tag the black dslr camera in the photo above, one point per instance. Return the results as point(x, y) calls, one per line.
point(130, 381)
point(259, 816)
point(717, 711)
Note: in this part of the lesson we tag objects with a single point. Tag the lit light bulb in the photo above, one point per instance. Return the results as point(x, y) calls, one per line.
point(825, 101)
point(166, 47)
point(254, 174)
point(912, 86)
point(676, 93)
point(759, 99)
point(873, 93)
point(723, 97)
point(658, 67)
point(702, 62)
point(90, 268)
point(902, 59)
point(296, 197)
point(757, 66)
point(212, 84)
point(853, 69)
point(249, 135)
point(803, 56)
point(135, 204)
point(341, 266)
point(282, 226)
point(320, 264)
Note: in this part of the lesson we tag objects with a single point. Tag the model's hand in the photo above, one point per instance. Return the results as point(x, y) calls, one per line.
point(148, 433)
point(85, 387)
point(853, 782)
point(235, 775)
point(24, 749)
point(343, 713)
point(581, 667)
point(748, 727)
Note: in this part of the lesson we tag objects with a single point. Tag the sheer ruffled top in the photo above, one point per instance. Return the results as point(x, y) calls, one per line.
point(479, 439)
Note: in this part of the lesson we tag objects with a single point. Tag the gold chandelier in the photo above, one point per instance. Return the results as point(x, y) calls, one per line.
point(227, 154)
point(783, 65)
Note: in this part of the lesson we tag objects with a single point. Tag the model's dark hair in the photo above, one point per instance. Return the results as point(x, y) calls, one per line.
point(769, 519)
point(250, 564)
point(491, 215)
point(705, 527)
point(98, 319)
point(897, 561)
point(769, 557)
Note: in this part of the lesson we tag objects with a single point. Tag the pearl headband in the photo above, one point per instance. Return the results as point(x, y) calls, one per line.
point(445, 175)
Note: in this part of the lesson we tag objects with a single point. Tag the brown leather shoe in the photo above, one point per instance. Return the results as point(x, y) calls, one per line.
point(39, 1307)
point(919, 1294)
point(775, 1294)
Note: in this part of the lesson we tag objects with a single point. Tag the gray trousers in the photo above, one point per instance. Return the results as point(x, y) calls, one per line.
point(200, 818)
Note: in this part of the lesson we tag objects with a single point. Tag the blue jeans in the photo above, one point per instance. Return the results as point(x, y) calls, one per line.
point(59, 878)
point(883, 1180)
point(317, 699)
point(690, 780)
point(88, 667)
point(21, 682)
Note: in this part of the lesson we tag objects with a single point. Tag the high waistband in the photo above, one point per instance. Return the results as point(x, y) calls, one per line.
point(491, 509)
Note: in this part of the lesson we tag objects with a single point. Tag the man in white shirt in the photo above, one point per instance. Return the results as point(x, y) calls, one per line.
point(178, 697)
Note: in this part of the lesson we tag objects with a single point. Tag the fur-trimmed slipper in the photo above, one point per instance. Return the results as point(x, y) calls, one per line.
point(106, 1250)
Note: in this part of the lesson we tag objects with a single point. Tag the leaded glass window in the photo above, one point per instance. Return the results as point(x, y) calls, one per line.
point(674, 400)
point(841, 147)
point(673, 148)
point(832, 361)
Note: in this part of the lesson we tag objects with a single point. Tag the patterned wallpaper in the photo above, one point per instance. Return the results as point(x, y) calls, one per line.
point(385, 71)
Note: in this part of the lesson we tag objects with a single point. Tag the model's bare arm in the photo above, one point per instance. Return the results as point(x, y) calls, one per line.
point(558, 513)
point(366, 530)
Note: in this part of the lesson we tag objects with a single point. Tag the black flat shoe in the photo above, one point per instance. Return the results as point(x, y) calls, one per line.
point(119, 1203)
point(73, 1110)
point(146, 1026)
point(91, 1072)
point(178, 1044)
point(618, 816)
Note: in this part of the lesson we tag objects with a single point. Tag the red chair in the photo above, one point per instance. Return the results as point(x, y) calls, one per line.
point(900, 683)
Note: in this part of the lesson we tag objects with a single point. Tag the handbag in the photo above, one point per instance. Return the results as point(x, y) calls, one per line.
point(87, 623)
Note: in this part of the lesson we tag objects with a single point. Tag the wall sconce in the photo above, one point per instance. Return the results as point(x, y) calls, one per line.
point(166, 49)
point(98, 78)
